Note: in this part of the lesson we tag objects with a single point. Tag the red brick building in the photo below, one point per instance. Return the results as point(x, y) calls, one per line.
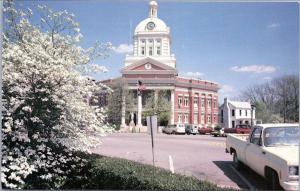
point(193, 101)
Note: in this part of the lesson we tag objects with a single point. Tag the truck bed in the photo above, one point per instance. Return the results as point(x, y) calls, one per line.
point(242, 137)
point(236, 143)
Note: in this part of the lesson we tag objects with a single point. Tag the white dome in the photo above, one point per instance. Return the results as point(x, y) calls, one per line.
point(160, 26)
point(153, 3)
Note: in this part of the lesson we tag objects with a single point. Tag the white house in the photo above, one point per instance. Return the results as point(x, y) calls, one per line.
point(233, 113)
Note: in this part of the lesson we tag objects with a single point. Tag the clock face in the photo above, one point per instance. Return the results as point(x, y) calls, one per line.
point(148, 66)
point(151, 25)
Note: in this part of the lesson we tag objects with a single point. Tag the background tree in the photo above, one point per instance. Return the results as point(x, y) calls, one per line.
point(159, 106)
point(277, 100)
point(114, 108)
point(46, 117)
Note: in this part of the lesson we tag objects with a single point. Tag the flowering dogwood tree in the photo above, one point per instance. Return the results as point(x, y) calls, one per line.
point(46, 115)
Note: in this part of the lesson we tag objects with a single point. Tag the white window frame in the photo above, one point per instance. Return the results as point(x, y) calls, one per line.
point(202, 102)
point(179, 101)
point(186, 101)
point(186, 118)
point(209, 103)
point(179, 118)
point(202, 118)
point(150, 50)
point(195, 118)
point(196, 100)
point(158, 50)
point(143, 51)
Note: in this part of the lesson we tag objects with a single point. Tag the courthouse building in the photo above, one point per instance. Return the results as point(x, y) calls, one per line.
point(193, 101)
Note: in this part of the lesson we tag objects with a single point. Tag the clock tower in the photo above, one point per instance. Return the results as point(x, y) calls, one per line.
point(152, 68)
point(152, 40)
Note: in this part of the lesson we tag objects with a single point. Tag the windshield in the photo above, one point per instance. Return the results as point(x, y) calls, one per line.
point(281, 136)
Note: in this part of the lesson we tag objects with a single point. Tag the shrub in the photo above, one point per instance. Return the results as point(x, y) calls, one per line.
point(114, 173)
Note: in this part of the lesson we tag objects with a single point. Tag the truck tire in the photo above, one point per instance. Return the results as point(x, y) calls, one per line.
point(236, 163)
point(272, 177)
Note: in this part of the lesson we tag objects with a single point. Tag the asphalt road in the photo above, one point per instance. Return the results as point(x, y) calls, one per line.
point(202, 156)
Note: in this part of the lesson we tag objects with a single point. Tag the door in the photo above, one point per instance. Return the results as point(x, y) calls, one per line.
point(253, 153)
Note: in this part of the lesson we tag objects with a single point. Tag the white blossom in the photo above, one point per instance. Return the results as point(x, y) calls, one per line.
point(41, 69)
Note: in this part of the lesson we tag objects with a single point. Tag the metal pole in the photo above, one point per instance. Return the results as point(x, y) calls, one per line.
point(152, 151)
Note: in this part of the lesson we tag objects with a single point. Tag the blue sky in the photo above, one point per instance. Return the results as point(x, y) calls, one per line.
point(233, 44)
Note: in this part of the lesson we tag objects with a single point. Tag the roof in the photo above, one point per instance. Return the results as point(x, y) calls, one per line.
point(160, 26)
point(240, 104)
point(278, 125)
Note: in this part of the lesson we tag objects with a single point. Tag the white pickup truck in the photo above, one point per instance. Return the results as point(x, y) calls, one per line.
point(271, 150)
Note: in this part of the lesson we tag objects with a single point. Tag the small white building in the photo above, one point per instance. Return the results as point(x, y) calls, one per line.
point(234, 113)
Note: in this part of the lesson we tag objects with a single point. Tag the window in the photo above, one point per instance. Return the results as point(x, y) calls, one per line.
point(233, 124)
point(215, 105)
point(215, 118)
point(209, 103)
point(195, 118)
point(158, 51)
point(186, 101)
point(150, 51)
point(208, 118)
point(232, 113)
point(202, 118)
point(142, 51)
point(202, 102)
point(240, 112)
point(179, 101)
point(195, 101)
point(186, 119)
point(255, 137)
point(246, 112)
point(222, 116)
point(179, 118)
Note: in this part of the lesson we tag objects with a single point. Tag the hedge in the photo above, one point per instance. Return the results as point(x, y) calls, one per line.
point(115, 174)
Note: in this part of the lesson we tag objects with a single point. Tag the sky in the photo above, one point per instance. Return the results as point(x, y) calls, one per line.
point(236, 45)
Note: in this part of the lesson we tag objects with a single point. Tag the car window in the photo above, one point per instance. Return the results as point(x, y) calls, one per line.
point(281, 136)
point(256, 136)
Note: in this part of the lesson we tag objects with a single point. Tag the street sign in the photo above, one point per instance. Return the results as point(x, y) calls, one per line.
point(152, 129)
point(152, 124)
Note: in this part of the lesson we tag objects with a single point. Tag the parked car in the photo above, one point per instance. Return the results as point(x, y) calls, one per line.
point(191, 129)
point(218, 131)
point(204, 130)
point(238, 129)
point(174, 129)
point(271, 150)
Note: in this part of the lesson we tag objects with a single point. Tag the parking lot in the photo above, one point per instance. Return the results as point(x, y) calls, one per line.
point(202, 156)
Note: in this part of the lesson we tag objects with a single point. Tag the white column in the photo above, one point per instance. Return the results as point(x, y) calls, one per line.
point(139, 117)
point(123, 111)
point(172, 107)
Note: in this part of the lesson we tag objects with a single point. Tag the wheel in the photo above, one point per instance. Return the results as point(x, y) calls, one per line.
point(215, 135)
point(173, 133)
point(273, 179)
point(236, 163)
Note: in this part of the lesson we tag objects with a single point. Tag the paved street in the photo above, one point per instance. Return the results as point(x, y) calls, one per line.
point(202, 156)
